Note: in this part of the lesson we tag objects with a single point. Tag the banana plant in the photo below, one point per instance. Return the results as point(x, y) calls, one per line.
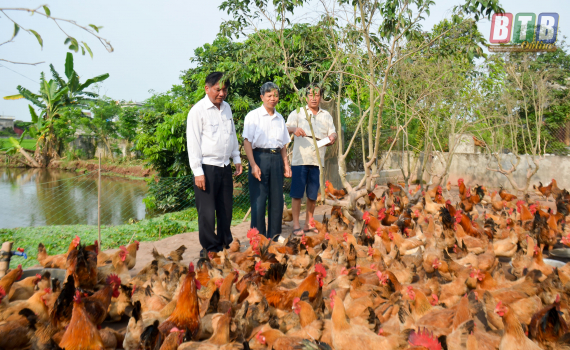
point(54, 95)
point(16, 147)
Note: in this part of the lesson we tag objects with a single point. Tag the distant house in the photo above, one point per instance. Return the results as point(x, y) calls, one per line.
point(6, 122)
point(18, 131)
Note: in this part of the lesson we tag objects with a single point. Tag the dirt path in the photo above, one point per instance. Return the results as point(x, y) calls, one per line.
point(190, 240)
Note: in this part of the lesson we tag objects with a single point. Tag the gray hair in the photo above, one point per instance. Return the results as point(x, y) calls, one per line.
point(268, 87)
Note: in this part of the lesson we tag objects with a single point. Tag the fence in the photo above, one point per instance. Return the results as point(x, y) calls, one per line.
point(34, 197)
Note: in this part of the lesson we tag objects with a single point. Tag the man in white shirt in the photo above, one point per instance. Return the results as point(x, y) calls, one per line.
point(265, 139)
point(305, 167)
point(212, 141)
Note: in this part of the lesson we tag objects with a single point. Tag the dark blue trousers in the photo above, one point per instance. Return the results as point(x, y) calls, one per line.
point(269, 190)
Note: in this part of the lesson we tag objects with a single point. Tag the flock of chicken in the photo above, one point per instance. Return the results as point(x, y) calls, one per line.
point(415, 272)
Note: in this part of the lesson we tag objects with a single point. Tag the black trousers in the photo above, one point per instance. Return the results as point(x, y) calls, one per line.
point(269, 189)
point(215, 203)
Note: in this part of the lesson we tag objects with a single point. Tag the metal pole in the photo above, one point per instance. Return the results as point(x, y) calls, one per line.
point(99, 204)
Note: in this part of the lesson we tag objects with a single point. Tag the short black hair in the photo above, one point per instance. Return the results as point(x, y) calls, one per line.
point(312, 86)
point(214, 77)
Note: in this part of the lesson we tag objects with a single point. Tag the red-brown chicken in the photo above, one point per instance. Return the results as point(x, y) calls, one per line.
point(186, 315)
point(81, 334)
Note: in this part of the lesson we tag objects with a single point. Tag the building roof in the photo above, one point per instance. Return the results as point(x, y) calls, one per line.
point(7, 117)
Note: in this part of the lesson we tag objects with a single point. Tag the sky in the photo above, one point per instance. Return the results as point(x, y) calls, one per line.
point(153, 42)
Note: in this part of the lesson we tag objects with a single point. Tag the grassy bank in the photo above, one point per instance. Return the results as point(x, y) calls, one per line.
point(57, 238)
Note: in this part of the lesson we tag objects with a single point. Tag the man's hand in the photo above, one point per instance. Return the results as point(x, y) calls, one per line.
point(239, 169)
point(256, 172)
point(200, 182)
point(332, 137)
point(300, 132)
point(288, 172)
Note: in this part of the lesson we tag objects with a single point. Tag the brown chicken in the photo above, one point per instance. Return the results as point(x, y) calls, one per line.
point(81, 334)
point(131, 259)
point(82, 264)
point(98, 304)
point(56, 261)
point(10, 278)
point(346, 336)
point(547, 326)
point(24, 289)
point(506, 196)
point(544, 190)
point(186, 315)
point(514, 336)
point(330, 190)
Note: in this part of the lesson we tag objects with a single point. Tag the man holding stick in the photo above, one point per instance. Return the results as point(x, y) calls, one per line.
point(305, 166)
point(212, 141)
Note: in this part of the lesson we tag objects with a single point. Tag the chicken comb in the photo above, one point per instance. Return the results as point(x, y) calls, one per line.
point(424, 338)
point(47, 290)
point(38, 276)
point(76, 240)
point(460, 180)
point(327, 183)
point(252, 232)
point(295, 301)
point(138, 243)
point(113, 279)
point(366, 217)
point(320, 269)
point(123, 248)
point(77, 297)
point(2, 293)
point(333, 294)
point(191, 267)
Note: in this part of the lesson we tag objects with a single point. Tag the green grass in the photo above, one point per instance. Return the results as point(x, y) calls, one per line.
point(57, 238)
point(26, 143)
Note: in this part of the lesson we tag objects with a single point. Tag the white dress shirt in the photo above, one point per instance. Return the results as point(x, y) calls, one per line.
point(211, 136)
point(303, 149)
point(264, 130)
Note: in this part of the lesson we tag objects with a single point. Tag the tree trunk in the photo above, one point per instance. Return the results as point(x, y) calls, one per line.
point(32, 161)
point(332, 152)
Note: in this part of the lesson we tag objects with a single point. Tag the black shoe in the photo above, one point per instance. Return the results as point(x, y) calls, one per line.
point(203, 254)
point(276, 238)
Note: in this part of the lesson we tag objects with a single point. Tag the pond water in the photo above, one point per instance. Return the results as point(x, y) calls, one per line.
point(40, 197)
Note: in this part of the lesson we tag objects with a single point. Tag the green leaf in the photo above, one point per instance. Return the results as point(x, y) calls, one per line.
point(87, 48)
point(82, 51)
point(33, 114)
point(68, 65)
point(40, 40)
point(94, 27)
point(16, 30)
point(73, 47)
point(14, 97)
point(46, 9)
point(15, 143)
point(93, 80)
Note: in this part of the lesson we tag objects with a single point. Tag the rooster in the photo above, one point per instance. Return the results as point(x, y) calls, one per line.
point(82, 264)
point(81, 333)
point(330, 190)
point(186, 315)
point(505, 195)
point(548, 325)
point(98, 304)
point(282, 298)
point(543, 190)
